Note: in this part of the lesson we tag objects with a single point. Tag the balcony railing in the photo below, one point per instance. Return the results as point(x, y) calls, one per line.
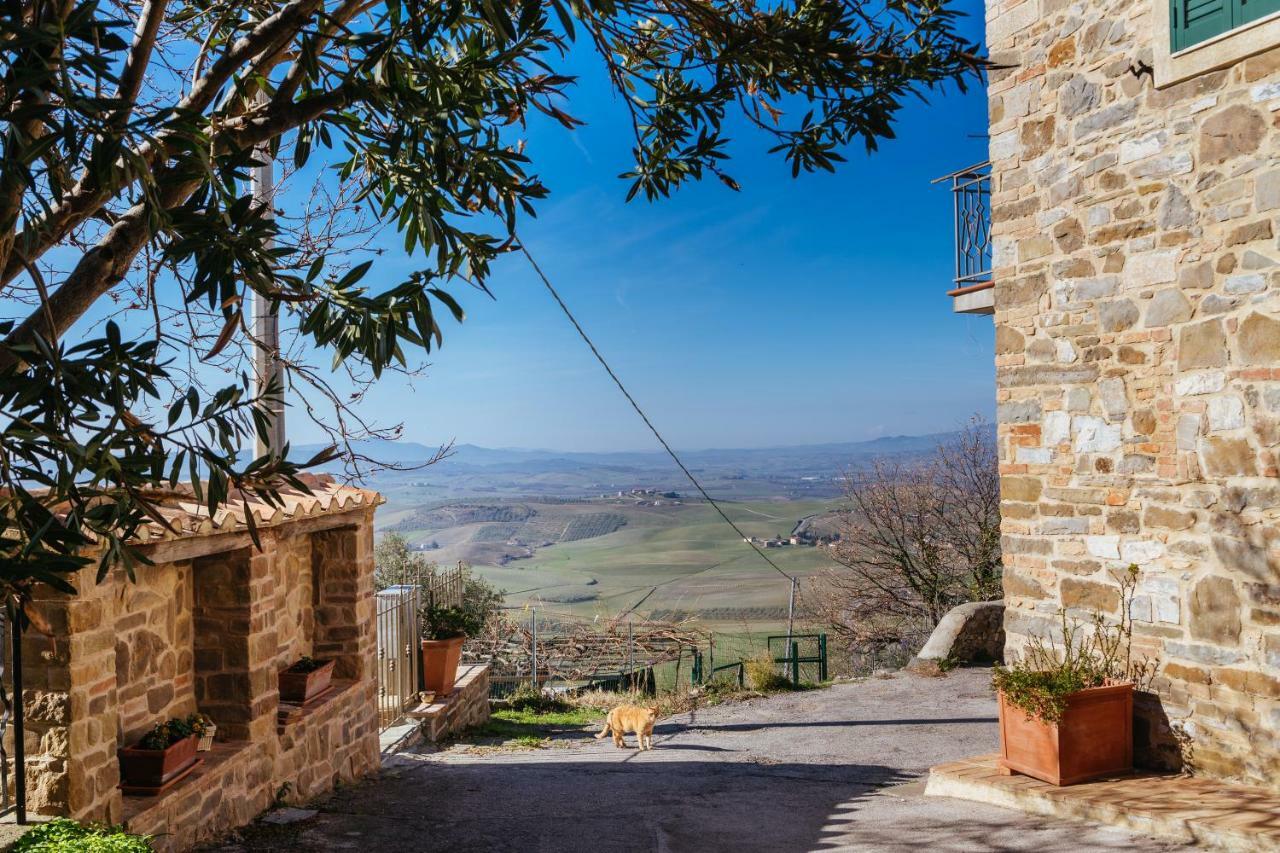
point(971, 202)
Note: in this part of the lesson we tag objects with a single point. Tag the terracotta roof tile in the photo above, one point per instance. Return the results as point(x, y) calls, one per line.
point(188, 518)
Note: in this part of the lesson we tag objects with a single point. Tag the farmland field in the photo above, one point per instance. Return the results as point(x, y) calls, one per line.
point(673, 560)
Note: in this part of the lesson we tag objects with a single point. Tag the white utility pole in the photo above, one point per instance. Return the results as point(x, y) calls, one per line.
point(266, 321)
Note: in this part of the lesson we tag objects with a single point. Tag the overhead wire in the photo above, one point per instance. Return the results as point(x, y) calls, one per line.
point(644, 417)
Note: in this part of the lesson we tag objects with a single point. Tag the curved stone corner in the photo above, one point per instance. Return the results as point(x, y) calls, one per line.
point(970, 632)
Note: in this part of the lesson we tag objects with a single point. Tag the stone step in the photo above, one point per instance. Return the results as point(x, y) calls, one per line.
point(1179, 808)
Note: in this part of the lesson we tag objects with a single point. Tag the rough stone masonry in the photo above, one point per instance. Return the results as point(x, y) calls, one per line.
point(1138, 362)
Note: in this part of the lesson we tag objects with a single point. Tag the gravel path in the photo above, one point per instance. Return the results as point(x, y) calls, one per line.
point(835, 769)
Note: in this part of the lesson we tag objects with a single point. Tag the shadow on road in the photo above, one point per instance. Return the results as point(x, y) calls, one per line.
point(671, 728)
point(594, 805)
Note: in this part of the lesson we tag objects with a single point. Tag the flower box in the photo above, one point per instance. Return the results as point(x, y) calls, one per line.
point(299, 687)
point(1093, 739)
point(153, 767)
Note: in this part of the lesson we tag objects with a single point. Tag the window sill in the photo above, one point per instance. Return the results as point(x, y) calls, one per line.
point(1212, 54)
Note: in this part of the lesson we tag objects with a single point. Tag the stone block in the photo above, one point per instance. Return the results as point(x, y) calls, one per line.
point(1215, 611)
point(1117, 316)
point(1226, 413)
point(1025, 489)
point(1226, 457)
point(1090, 595)
point(1167, 307)
point(1202, 345)
point(1093, 435)
point(1259, 339)
point(1232, 132)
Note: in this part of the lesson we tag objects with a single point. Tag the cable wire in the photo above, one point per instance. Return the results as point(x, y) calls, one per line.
point(639, 411)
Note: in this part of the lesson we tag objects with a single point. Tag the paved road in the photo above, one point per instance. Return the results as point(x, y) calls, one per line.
point(836, 769)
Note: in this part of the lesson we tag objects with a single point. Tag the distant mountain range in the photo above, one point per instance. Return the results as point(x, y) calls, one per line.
point(470, 456)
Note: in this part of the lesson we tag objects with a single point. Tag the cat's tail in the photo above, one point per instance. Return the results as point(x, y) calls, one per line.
point(604, 731)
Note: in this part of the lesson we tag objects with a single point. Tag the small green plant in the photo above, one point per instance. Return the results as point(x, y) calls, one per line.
point(763, 674)
point(165, 735)
point(1091, 654)
point(281, 797)
point(66, 836)
point(526, 697)
point(307, 664)
point(947, 664)
point(445, 623)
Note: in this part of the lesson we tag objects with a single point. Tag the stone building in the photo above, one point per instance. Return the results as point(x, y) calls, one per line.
point(207, 628)
point(1135, 210)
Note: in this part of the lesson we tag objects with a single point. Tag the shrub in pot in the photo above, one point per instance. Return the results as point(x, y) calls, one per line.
point(306, 679)
point(444, 630)
point(1066, 710)
point(162, 753)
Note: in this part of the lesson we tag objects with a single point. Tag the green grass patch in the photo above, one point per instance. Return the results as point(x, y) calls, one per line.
point(67, 836)
point(531, 728)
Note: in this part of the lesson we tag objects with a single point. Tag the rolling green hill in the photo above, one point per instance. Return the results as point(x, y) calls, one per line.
point(605, 557)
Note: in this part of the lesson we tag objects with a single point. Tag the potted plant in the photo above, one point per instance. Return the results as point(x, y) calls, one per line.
point(444, 630)
point(162, 753)
point(1066, 711)
point(306, 679)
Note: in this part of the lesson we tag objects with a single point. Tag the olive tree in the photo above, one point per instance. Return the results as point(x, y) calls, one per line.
point(129, 131)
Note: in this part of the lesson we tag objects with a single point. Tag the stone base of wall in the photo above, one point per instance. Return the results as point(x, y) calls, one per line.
point(337, 741)
point(465, 707)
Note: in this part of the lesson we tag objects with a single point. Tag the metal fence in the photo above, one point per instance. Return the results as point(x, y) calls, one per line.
point(803, 658)
point(398, 651)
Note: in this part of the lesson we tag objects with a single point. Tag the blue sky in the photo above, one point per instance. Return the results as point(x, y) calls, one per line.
point(796, 311)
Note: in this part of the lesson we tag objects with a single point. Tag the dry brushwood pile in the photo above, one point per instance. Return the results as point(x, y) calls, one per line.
point(575, 649)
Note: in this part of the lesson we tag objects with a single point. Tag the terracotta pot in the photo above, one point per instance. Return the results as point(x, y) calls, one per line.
point(440, 664)
point(1093, 739)
point(301, 686)
point(154, 767)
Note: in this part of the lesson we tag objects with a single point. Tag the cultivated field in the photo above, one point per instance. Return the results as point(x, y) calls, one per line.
point(608, 557)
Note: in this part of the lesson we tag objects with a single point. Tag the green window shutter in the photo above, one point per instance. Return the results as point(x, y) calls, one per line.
point(1193, 21)
point(1252, 10)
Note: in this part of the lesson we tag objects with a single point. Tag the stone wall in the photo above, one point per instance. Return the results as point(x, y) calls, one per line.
point(208, 627)
point(465, 708)
point(1138, 362)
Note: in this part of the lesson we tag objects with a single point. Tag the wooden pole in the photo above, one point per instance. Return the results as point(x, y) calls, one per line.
point(268, 370)
point(791, 619)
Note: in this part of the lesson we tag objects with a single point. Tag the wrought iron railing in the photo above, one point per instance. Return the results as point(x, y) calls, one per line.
point(971, 198)
point(444, 587)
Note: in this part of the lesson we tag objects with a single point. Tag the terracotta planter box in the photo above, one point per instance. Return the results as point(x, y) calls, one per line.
point(153, 767)
point(440, 664)
point(1093, 739)
point(301, 686)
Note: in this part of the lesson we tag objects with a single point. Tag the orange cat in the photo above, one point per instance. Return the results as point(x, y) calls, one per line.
point(629, 718)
